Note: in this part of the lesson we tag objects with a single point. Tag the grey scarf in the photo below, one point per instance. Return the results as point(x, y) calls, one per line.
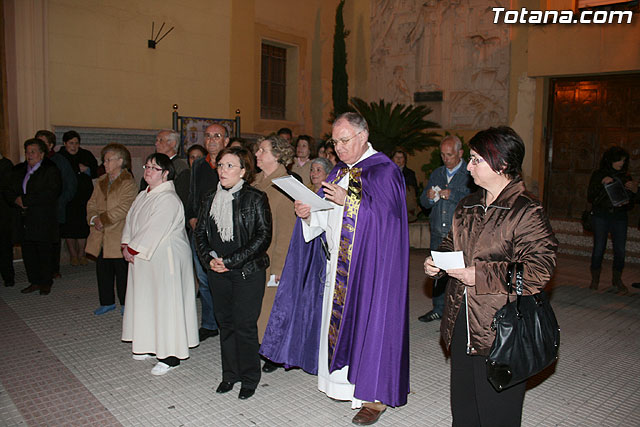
point(222, 210)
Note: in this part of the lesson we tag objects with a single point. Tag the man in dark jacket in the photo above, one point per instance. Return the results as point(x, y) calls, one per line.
point(447, 185)
point(35, 187)
point(204, 178)
point(68, 192)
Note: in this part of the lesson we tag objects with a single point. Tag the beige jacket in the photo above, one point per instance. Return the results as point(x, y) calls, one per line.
point(284, 219)
point(111, 205)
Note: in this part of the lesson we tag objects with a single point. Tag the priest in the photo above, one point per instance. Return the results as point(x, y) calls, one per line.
point(342, 302)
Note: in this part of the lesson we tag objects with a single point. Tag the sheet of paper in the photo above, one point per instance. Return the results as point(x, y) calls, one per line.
point(448, 260)
point(437, 189)
point(272, 281)
point(298, 191)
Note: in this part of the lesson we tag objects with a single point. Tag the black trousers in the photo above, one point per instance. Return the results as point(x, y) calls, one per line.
point(108, 269)
point(6, 257)
point(237, 301)
point(474, 401)
point(38, 261)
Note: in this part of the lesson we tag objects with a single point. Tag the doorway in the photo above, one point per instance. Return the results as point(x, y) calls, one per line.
point(587, 115)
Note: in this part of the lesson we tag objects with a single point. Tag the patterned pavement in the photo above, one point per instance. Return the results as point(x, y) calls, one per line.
point(61, 365)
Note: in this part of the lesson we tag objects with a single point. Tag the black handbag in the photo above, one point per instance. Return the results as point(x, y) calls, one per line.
point(527, 336)
point(585, 219)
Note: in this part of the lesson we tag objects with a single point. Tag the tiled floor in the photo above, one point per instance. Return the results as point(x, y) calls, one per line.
point(61, 365)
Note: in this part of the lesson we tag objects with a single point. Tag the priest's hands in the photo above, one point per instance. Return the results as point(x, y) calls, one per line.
point(217, 265)
point(302, 210)
point(334, 193)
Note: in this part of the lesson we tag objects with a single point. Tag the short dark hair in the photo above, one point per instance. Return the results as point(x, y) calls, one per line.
point(502, 148)
point(197, 147)
point(313, 150)
point(121, 151)
point(241, 141)
point(612, 155)
point(285, 131)
point(69, 135)
point(401, 152)
point(246, 161)
point(35, 141)
point(164, 162)
point(50, 136)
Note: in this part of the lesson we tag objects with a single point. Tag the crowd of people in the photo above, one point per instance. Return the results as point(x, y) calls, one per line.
point(324, 290)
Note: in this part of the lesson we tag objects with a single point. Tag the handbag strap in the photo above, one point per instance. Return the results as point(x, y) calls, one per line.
point(515, 269)
point(519, 278)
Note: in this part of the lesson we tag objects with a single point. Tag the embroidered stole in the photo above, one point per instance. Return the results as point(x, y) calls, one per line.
point(347, 234)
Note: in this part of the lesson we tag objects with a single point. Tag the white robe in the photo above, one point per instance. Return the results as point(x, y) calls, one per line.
point(160, 314)
point(334, 384)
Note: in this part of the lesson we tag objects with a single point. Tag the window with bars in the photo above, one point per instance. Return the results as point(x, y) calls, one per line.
point(273, 82)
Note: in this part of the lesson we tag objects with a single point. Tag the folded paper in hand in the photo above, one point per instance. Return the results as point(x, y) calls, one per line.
point(298, 191)
point(448, 260)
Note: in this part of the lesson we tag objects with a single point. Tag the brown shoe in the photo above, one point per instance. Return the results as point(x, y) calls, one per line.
point(367, 416)
point(30, 288)
point(44, 290)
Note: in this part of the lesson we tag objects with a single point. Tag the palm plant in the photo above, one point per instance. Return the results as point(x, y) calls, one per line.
point(398, 126)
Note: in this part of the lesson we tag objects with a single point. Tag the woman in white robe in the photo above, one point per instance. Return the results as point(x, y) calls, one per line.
point(160, 316)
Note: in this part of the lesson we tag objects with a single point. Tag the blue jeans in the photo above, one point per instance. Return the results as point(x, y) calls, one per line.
point(206, 300)
point(438, 285)
point(603, 224)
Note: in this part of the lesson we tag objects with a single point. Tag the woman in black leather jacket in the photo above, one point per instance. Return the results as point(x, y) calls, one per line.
point(607, 218)
point(232, 235)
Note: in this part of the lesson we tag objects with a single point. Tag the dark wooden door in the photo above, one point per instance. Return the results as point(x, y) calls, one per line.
point(587, 116)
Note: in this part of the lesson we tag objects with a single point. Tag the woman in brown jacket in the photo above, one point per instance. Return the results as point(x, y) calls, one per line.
point(273, 156)
point(107, 209)
point(499, 224)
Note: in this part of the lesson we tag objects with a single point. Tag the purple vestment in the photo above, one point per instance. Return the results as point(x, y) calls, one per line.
point(373, 338)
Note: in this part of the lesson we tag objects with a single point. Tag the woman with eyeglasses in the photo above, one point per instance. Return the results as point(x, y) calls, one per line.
point(500, 224)
point(160, 317)
point(232, 235)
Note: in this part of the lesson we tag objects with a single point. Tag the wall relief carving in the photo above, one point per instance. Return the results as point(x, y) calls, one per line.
point(450, 46)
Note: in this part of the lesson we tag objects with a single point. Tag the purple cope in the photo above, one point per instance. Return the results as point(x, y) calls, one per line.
point(373, 335)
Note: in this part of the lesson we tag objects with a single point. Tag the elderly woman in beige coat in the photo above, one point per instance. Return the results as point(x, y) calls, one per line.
point(273, 157)
point(107, 209)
